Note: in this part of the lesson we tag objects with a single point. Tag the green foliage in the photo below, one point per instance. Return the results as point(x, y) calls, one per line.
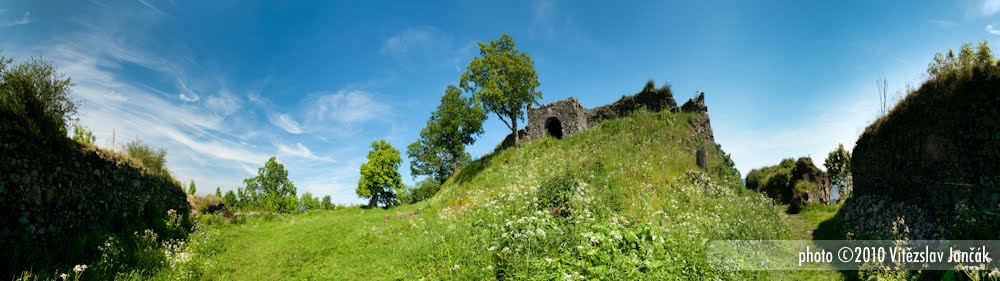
point(555, 193)
point(307, 202)
point(423, 190)
point(82, 135)
point(726, 169)
point(270, 190)
point(440, 151)
point(218, 192)
point(802, 186)
point(35, 97)
point(191, 189)
point(838, 170)
point(962, 65)
point(380, 179)
point(154, 160)
point(775, 181)
point(327, 203)
point(503, 78)
point(231, 200)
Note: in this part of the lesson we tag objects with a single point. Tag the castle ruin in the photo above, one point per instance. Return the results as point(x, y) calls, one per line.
point(568, 116)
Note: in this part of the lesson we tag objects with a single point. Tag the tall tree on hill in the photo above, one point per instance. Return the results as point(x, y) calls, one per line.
point(440, 151)
point(191, 188)
point(838, 170)
point(380, 179)
point(504, 80)
point(270, 190)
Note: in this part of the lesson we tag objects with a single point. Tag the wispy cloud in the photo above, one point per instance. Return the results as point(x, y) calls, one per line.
point(992, 29)
point(541, 23)
point(186, 93)
point(224, 102)
point(346, 107)
point(418, 40)
point(286, 122)
point(150, 6)
point(25, 19)
point(944, 23)
point(300, 150)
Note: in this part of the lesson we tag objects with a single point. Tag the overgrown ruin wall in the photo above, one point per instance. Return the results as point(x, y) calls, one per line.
point(934, 160)
point(58, 199)
point(568, 116)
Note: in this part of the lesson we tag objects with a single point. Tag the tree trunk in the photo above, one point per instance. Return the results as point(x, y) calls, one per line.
point(513, 122)
point(372, 202)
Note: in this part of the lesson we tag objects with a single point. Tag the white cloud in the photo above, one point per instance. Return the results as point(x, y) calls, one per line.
point(944, 23)
point(300, 150)
point(186, 93)
point(347, 107)
point(150, 6)
point(992, 29)
point(224, 102)
point(286, 122)
point(25, 19)
point(990, 7)
point(412, 40)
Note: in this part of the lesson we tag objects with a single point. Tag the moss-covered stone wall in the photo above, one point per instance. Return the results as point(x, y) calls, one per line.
point(59, 200)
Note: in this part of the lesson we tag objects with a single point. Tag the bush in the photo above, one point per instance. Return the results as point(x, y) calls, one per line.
point(424, 190)
point(153, 159)
point(35, 98)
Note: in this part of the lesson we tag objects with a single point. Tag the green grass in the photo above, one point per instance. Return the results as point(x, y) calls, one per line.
point(622, 201)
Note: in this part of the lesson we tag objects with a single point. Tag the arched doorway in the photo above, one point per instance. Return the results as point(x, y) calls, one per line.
point(554, 127)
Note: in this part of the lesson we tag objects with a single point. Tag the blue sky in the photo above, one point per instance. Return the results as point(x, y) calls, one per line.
point(223, 85)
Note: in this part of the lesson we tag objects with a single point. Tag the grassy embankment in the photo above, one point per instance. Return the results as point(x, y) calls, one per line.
point(623, 200)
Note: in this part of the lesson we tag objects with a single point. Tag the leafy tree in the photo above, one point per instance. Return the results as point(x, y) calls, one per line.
point(440, 151)
point(308, 202)
point(838, 170)
point(270, 190)
point(504, 80)
point(230, 199)
point(153, 159)
point(327, 203)
point(380, 180)
point(82, 135)
point(218, 192)
point(36, 98)
point(423, 190)
point(191, 188)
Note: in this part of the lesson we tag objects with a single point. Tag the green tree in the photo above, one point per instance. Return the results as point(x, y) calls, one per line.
point(270, 190)
point(327, 203)
point(153, 159)
point(440, 151)
point(380, 180)
point(82, 135)
point(191, 189)
point(838, 170)
point(423, 190)
point(231, 200)
point(36, 98)
point(308, 202)
point(218, 192)
point(504, 80)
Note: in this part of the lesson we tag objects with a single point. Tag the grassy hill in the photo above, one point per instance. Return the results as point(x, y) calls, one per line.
point(623, 200)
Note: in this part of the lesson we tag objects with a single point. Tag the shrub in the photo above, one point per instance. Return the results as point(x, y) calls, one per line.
point(36, 98)
point(153, 159)
point(424, 190)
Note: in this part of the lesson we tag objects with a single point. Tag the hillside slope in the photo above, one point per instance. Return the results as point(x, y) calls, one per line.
point(621, 201)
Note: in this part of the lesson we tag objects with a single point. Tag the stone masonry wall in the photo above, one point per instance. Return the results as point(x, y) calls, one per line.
point(62, 193)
